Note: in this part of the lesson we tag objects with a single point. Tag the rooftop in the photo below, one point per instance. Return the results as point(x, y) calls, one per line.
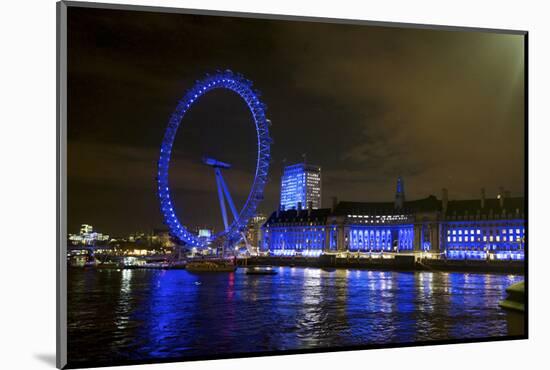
point(455, 208)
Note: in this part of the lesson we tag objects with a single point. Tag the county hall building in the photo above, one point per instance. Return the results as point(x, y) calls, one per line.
point(477, 229)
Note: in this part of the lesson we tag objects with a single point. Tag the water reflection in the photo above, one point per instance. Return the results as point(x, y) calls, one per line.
point(124, 302)
point(143, 314)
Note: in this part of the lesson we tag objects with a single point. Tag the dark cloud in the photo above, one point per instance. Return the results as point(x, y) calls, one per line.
point(441, 108)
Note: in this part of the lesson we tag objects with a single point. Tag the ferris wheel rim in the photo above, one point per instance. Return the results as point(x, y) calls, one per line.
point(242, 87)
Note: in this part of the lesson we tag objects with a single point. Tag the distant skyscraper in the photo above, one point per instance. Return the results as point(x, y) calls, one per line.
point(86, 229)
point(301, 185)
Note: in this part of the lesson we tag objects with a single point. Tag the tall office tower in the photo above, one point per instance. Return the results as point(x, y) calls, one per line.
point(301, 186)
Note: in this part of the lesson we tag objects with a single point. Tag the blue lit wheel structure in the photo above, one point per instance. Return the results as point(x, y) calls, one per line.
point(243, 87)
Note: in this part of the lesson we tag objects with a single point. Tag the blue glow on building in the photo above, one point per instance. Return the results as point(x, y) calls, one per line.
point(301, 185)
point(396, 238)
point(499, 239)
point(305, 241)
point(484, 229)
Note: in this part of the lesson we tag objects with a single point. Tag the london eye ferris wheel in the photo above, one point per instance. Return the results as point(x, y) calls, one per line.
point(233, 230)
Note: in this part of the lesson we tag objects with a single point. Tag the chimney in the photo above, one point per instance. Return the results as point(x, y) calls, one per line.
point(501, 196)
point(444, 200)
point(334, 203)
point(309, 207)
point(482, 197)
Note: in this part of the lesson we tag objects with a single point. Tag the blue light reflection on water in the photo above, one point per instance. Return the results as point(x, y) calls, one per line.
point(144, 314)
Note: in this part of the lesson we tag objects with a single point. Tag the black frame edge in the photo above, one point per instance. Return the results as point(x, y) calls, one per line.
point(61, 184)
point(287, 17)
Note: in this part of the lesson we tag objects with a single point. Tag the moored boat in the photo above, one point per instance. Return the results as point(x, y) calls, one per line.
point(108, 265)
point(91, 264)
point(261, 271)
point(210, 266)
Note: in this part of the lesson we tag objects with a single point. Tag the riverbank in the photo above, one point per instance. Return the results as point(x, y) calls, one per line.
point(390, 264)
point(398, 263)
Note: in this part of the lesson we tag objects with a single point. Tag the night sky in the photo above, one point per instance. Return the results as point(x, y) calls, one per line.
point(367, 104)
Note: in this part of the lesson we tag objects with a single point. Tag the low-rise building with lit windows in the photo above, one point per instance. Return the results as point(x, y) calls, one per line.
point(296, 232)
point(495, 230)
point(479, 229)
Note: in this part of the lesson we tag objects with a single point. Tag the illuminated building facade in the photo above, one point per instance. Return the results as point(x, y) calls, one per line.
point(486, 228)
point(86, 229)
point(87, 236)
point(301, 187)
point(160, 238)
point(254, 232)
point(296, 232)
point(480, 229)
point(205, 233)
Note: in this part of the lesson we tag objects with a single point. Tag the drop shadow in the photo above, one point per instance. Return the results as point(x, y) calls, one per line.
point(47, 358)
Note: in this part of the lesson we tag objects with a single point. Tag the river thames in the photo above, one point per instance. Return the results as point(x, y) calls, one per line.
point(133, 315)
